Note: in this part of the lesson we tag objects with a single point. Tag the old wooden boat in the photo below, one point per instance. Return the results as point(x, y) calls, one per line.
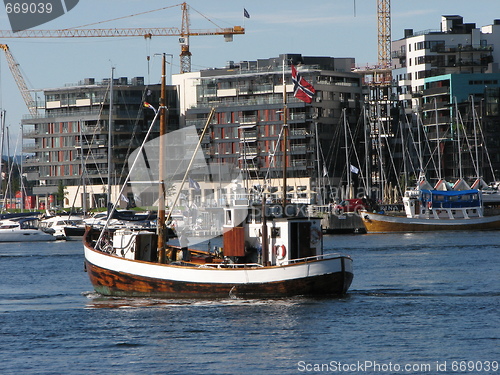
point(434, 210)
point(264, 254)
point(282, 258)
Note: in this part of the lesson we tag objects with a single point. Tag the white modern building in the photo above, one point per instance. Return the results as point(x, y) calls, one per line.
point(456, 47)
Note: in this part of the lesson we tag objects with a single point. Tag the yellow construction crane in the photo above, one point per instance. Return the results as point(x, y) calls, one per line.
point(183, 33)
point(18, 77)
point(384, 33)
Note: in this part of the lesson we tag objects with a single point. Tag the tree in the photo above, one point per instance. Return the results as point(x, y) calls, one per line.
point(61, 193)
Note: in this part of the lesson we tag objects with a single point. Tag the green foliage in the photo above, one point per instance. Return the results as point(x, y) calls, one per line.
point(60, 194)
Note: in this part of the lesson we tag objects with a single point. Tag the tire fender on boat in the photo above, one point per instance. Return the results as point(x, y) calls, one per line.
point(280, 251)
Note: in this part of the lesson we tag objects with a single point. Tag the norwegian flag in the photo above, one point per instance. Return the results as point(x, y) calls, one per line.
point(302, 89)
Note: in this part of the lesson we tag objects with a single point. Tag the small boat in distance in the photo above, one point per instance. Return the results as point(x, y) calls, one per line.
point(22, 229)
point(64, 227)
point(434, 210)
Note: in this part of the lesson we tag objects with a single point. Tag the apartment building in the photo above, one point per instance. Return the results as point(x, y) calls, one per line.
point(247, 129)
point(459, 112)
point(67, 143)
point(455, 48)
point(439, 75)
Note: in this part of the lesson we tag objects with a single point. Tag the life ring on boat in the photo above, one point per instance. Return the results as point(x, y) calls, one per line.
point(280, 251)
point(315, 235)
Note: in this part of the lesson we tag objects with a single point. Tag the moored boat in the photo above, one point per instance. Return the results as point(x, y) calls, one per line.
point(23, 229)
point(64, 227)
point(434, 210)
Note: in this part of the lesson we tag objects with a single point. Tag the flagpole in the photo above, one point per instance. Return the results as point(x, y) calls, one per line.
point(285, 138)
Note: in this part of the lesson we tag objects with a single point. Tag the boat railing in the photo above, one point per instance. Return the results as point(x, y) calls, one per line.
point(314, 258)
point(231, 265)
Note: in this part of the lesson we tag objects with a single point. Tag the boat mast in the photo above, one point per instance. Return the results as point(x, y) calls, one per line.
point(161, 230)
point(21, 182)
point(367, 154)
point(110, 139)
point(478, 176)
point(2, 130)
point(421, 174)
point(285, 138)
point(437, 140)
point(82, 163)
point(347, 164)
point(457, 119)
point(320, 184)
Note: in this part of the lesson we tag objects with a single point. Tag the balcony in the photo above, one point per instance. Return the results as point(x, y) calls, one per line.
point(248, 120)
point(249, 151)
point(437, 91)
point(299, 132)
point(299, 149)
point(398, 54)
point(248, 136)
point(462, 48)
point(441, 120)
point(433, 106)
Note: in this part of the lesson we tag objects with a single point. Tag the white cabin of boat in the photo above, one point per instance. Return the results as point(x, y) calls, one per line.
point(440, 204)
point(283, 240)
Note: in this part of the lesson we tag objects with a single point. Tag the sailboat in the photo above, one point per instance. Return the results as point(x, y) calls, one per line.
point(264, 254)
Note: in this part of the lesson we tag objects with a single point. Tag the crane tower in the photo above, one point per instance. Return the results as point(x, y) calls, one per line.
point(18, 77)
point(384, 33)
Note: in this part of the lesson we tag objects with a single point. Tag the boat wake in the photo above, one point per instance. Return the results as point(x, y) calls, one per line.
point(389, 293)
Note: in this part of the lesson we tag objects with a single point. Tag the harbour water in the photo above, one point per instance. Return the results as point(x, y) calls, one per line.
point(419, 304)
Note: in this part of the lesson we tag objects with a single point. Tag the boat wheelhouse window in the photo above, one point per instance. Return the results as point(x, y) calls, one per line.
point(28, 224)
point(254, 215)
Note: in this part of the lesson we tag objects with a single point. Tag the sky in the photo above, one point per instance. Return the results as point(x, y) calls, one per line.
point(336, 28)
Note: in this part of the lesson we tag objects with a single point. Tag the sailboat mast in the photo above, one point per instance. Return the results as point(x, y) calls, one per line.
point(475, 136)
point(82, 163)
point(437, 140)
point(2, 130)
point(110, 138)
point(457, 119)
point(285, 138)
point(319, 182)
point(367, 155)
point(161, 230)
point(348, 165)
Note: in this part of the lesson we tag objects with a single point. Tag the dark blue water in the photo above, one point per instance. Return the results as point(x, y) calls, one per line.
point(419, 303)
